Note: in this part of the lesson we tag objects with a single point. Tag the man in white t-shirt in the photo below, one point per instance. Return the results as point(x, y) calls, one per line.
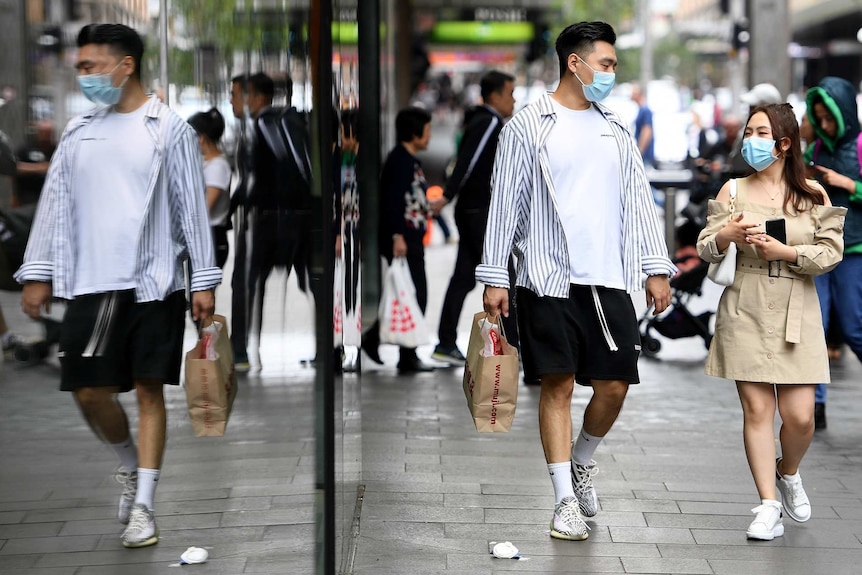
point(571, 198)
point(122, 207)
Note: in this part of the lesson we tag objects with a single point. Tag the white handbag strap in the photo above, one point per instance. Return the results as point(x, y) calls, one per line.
point(732, 196)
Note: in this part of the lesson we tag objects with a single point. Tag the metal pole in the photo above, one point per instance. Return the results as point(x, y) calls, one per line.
point(368, 162)
point(163, 50)
point(647, 49)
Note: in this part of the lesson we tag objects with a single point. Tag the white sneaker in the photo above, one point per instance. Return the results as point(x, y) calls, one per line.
point(129, 481)
point(582, 481)
point(567, 523)
point(767, 525)
point(793, 496)
point(141, 530)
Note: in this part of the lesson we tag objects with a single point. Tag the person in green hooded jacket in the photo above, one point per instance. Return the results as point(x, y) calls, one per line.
point(835, 158)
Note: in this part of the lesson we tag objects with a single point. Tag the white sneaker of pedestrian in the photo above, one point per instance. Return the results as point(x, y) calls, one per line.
point(767, 524)
point(567, 523)
point(582, 481)
point(141, 530)
point(129, 481)
point(793, 496)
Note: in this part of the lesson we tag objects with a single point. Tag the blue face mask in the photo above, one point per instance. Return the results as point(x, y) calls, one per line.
point(603, 83)
point(757, 152)
point(99, 89)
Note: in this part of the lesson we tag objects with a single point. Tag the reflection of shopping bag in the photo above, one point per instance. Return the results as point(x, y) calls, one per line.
point(490, 382)
point(211, 384)
point(338, 303)
point(401, 320)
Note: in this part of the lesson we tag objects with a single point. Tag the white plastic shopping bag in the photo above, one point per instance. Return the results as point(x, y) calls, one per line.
point(401, 320)
point(338, 303)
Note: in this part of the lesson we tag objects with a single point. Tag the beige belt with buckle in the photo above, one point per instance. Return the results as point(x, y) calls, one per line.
point(793, 328)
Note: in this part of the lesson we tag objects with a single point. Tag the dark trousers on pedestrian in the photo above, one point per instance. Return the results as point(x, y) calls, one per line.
point(471, 228)
point(280, 238)
point(239, 282)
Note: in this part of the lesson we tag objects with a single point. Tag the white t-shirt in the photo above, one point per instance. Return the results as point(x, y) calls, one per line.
point(112, 174)
point(585, 167)
point(217, 175)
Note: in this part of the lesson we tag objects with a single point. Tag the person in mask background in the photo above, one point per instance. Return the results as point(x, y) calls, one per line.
point(131, 172)
point(835, 155)
point(585, 231)
point(768, 330)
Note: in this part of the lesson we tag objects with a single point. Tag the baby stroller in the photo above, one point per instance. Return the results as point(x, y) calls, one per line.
point(677, 321)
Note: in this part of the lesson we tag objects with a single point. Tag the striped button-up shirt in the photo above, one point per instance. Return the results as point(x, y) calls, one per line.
point(174, 227)
point(524, 218)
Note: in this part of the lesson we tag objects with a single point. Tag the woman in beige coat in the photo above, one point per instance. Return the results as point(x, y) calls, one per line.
point(768, 332)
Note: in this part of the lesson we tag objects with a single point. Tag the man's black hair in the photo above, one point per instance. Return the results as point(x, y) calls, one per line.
point(410, 122)
point(262, 84)
point(242, 80)
point(122, 40)
point(209, 124)
point(493, 81)
point(579, 39)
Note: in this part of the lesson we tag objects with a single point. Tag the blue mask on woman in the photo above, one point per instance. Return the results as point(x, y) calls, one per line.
point(757, 152)
point(603, 83)
point(99, 89)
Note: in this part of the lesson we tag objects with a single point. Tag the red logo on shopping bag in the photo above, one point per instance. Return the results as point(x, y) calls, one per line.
point(495, 398)
point(402, 319)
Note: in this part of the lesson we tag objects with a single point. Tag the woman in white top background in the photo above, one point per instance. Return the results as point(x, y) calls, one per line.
point(217, 173)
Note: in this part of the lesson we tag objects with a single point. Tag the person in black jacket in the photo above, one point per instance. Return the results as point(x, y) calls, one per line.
point(404, 213)
point(471, 183)
point(277, 203)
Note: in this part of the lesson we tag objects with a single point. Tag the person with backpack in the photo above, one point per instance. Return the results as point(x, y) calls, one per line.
point(276, 201)
point(471, 184)
point(836, 157)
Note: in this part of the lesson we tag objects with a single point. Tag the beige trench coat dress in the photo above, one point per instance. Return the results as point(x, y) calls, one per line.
point(769, 329)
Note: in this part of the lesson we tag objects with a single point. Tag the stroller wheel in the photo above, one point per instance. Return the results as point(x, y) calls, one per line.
point(650, 345)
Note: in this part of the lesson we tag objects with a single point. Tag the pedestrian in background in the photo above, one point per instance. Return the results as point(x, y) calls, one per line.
point(130, 171)
point(217, 174)
point(768, 330)
point(470, 183)
point(570, 195)
point(404, 213)
point(644, 133)
point(835, 154)
point(33, 162)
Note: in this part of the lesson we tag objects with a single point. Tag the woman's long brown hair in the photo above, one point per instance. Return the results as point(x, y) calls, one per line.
point(783, 121)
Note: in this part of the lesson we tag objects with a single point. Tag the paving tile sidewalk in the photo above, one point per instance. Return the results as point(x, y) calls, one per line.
point(674, 486)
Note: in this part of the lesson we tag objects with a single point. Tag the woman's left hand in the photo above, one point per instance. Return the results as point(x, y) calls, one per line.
point(771, 249)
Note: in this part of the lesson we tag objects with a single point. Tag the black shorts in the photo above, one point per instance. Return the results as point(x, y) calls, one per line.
point(567, 335)
point(108, 339)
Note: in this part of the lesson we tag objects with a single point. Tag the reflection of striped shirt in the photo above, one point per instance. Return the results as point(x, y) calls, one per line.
point(524, 214)
point(174, 224)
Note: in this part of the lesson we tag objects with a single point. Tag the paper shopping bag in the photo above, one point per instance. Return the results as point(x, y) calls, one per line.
point(211, 384)
point(401, 321)
point(490, 382)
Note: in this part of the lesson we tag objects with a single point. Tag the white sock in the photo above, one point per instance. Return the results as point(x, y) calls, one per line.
point(128, 453)
point(561, 476)
point(147, 481)
point(585, 447)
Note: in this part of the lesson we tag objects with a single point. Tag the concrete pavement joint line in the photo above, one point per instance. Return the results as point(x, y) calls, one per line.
point(350, 557)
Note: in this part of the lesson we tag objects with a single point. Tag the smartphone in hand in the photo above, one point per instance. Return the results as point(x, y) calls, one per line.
point(777, 229)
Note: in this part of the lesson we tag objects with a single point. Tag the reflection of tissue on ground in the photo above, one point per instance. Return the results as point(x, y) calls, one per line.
point(505, 550)
point(491, 337)
point(193, 555)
